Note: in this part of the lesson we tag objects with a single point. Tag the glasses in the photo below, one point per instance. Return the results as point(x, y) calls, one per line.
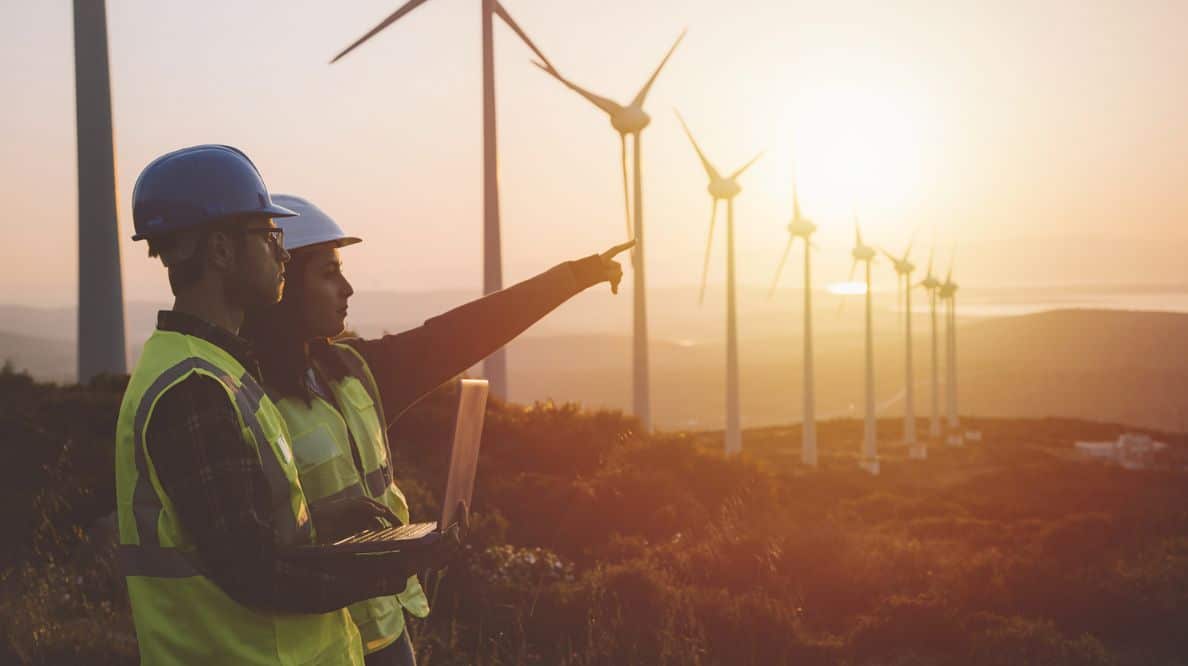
point(276, 235)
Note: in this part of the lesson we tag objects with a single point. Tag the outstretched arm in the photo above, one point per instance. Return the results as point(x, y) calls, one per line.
point(409, 365)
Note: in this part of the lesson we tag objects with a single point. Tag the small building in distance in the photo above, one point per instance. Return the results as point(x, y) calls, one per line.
point(1130, 450)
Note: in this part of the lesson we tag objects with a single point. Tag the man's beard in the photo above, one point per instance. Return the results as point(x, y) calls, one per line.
point(248, 291)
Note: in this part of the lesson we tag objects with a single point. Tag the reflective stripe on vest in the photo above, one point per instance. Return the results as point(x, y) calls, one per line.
point(181, 615)
point(323, 431)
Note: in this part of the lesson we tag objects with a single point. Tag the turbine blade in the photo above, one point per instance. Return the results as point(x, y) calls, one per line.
point(643, 92)
point(746, 166)
point(931, 252)
point(780, 267)
point(888, 254)
point(501, 12)
point(795, 199)
point(911, 243)
point(637, 174)
point(709, 242)
point(952, 260)
point(709, 168)
point(853, 267)
point(392, 18)
point(626, 200)
point(609, 106)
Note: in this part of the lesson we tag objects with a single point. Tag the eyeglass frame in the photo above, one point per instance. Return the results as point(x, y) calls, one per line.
point(276, 235)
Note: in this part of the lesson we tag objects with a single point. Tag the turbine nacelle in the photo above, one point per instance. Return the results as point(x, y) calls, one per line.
point(930, 282)
point(801, 227)
point(630, 120)
point(863, 253)
point(948, 290)
point(723, 188)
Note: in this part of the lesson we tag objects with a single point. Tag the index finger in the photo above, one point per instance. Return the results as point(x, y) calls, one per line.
point(618, 248)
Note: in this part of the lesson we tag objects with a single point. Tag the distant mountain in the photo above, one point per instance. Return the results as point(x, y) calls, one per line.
point(44, 358)
point(1103, 365)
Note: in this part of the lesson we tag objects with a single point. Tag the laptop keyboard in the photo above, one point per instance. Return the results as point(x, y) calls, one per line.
point(399, 533)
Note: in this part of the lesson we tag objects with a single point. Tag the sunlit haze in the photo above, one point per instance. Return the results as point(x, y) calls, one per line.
point(1023, 131)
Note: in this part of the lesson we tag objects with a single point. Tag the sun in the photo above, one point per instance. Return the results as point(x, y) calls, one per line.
point(858, 145)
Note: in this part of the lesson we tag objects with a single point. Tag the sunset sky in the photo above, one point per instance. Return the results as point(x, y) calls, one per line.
point(1057, 120)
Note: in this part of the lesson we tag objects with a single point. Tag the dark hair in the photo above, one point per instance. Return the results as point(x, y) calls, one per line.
point(187, 272)
point(182, 274)
point(275, 334)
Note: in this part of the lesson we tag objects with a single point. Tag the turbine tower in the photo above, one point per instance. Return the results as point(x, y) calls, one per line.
point(801, 227)
point(495, 366)
point(725, 189)
point(932, 286)
point(948, 295)
point(903, 278)
point(100, 289)
point(870, 451)
point(631, 120)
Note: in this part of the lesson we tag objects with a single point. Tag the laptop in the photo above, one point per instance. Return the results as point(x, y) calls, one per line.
point(459, 486)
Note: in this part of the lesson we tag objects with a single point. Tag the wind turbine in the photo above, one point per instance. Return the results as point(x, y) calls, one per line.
point(631, 120)
point(100, 288)
point(948, 295)
point(725, 189)
point(495, 366)
point(801, 227)
point(870, 452)
point(932, 286)
point(903, 278)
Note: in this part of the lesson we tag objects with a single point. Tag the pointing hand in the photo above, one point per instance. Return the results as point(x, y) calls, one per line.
point(613, 271)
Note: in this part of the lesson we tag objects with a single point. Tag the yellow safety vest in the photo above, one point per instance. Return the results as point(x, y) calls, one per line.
point(181, 615)
point(322, 436)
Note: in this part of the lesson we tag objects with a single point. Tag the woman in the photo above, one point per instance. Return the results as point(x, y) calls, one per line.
point(339, 398)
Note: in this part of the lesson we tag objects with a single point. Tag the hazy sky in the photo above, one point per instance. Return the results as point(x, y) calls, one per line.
point(991, 120)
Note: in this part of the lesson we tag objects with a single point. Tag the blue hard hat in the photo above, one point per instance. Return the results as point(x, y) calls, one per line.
point(195, 186)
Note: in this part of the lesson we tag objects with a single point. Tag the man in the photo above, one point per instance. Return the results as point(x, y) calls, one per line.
point(209, 503)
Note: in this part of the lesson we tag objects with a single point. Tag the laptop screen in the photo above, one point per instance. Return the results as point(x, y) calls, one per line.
point(468, 429)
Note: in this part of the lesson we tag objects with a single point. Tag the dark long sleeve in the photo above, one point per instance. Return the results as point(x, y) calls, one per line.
point(217, 485)
point(409, 365)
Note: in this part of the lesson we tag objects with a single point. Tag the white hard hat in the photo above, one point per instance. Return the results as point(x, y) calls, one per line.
point(311, 226)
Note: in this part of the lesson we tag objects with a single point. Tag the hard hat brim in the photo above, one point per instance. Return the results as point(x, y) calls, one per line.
point(273, 210)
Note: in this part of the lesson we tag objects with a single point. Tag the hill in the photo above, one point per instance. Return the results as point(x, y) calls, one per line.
point(595, 544)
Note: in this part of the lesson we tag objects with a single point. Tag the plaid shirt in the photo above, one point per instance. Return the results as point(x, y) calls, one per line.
point(217, 485)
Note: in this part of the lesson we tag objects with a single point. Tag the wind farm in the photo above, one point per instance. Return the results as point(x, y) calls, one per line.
point(495, 366)
point(724, 189)
point(865, 254)
point(803, 228)
point(630, 121)
point(903, 278)
point(793, 445)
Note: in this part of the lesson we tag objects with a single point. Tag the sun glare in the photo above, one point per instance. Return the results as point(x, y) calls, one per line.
point(846, 288)
point(860, 143)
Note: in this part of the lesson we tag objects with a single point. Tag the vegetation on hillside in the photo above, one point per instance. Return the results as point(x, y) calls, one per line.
point(594, 544)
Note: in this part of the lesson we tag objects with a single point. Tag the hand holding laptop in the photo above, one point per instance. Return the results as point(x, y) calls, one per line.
point(341, 518)
point(418, 542)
